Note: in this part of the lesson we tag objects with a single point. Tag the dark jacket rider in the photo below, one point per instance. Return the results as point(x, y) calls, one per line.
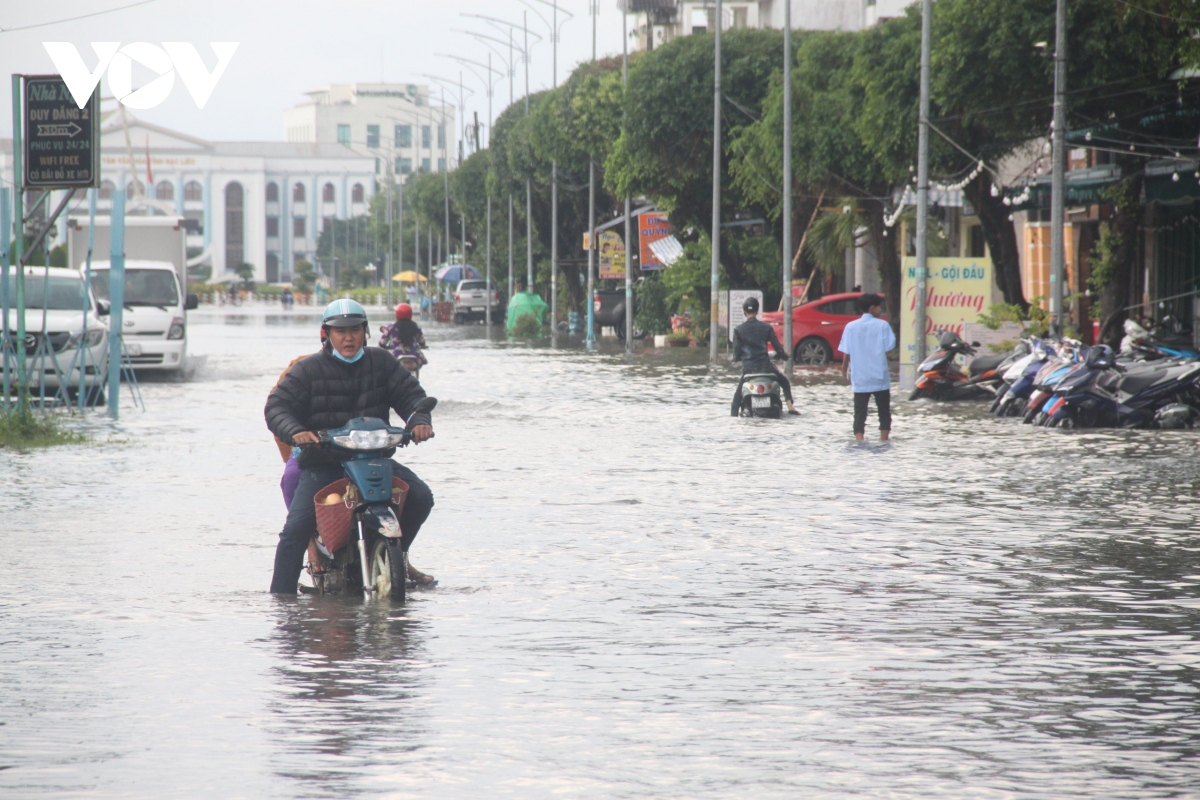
point(750, 340)
point(326, 390)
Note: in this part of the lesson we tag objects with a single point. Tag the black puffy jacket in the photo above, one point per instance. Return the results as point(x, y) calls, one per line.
point(323, 392)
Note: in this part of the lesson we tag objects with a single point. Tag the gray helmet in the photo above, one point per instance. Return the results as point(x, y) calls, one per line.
point(750, 305)
point(344, 313)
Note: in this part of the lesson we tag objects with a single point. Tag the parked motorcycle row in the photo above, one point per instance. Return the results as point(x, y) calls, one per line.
point(1150, 383)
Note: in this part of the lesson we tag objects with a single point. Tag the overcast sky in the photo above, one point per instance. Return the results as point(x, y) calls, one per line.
point(290, 46)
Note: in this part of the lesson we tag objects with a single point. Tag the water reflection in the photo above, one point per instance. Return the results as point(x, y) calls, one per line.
point(348, 690)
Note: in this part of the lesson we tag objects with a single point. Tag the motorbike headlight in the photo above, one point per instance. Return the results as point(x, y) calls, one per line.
point(176, 330)
point(365, 440)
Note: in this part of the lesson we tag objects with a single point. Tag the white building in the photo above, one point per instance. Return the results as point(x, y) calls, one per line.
point(262, 203)
point(397, 124)
point(660, 21)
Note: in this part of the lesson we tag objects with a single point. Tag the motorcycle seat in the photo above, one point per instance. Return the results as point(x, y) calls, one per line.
point(984, 363)
point(1132, 384)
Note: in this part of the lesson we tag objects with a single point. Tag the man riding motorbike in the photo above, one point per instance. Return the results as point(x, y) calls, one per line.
point(404, 337)
point(750, 347)
point(344, 380)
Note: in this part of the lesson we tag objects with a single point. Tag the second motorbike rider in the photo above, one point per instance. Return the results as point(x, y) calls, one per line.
point(345, 380)
point(750, 347)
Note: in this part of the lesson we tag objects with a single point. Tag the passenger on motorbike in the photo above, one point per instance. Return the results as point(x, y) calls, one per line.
point(345, 380)
point(750, 341)
point(404, 337)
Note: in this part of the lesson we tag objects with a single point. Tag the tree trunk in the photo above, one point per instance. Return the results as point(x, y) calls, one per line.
point(888, 255)
point(1115, 298)
point(1001, 238)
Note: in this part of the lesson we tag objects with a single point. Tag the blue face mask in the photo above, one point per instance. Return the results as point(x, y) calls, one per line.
point(356, 357)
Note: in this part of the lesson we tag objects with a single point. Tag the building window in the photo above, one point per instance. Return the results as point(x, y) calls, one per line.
point(192, 190)
point(425, 165)
point(403, 166)
point(326, 223)
point(740, 17)
point(164, 190)
point(441, 137)
point(404, 136)
point(298, 227)
point(134, 187)
point(272, 192)
point(272, 227)
point(106, 190)
point(193, 220)
point(235, 248)
point(356, 194)
point(272, 268)
point(425, 136)
point(372, 136)
point(298, 193)
point(327, 195)
point(441, 165)
point(344, 135)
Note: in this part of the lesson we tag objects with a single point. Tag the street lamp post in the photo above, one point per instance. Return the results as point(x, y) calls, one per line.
point(923, 178)
point(787, 186)
point(594, 9)
point(628, 231)
point(1058, 170)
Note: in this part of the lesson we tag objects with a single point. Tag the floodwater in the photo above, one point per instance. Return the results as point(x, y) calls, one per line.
point(639, 597)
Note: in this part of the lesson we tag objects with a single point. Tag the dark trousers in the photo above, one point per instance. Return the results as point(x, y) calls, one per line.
point(301, 522)
point(759, 370)
point(883, 404)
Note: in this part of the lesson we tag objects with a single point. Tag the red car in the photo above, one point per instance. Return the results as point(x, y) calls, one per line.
point(817, 327)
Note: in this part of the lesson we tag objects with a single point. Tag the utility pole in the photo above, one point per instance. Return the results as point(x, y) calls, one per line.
point(18, 247)
point(787, 188)
point(1058, 171)
point(528, 178)
point(715, 276)
point(923, 180)
point(446, 174)
point(591, 277)
point(391, 246)
point(554, 200)
point(628, 231)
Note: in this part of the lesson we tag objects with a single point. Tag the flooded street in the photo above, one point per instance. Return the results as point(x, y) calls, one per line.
point(639, 596)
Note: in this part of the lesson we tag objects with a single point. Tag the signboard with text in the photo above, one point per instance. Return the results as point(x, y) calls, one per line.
point(612, 255)
point(957, 291)
point(651, 228)
point(62, 140)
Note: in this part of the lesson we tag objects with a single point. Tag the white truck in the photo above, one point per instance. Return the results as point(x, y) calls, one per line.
point(156, 302)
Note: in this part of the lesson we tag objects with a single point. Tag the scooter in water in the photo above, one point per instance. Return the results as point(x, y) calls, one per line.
point(760, 396)
point(363, 508)
point(941, 377)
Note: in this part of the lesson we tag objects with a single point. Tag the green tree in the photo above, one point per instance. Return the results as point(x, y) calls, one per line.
point(245, 271)
point(304, 275)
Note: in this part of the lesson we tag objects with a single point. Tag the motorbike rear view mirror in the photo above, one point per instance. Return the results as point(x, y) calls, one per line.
point(975, 344)
point(193, 302)
point(425, 405)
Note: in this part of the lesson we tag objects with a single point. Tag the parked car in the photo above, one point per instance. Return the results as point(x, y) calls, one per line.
point(471, 300)
point(817, 327)
point(155, 331)
point(608, 307)
point(59, 300)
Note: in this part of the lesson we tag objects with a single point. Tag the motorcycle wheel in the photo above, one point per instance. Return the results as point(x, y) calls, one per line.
point(1030, 413)
point(389, 569)
point(917, 394)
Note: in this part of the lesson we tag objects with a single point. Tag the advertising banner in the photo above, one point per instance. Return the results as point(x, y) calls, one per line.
point(651, 228)
point(957, 291)
point(612, 255)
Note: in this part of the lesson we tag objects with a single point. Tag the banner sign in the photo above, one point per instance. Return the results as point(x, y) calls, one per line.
point(612, 255)
point(957, 291)
point(651, 228)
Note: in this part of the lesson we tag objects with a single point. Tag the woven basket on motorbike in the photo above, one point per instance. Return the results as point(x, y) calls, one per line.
point(335, 521)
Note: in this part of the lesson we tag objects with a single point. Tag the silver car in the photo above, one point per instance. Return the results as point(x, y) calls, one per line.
point(472, 298)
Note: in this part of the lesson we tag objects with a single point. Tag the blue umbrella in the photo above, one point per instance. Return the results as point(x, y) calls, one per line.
point(454, 273)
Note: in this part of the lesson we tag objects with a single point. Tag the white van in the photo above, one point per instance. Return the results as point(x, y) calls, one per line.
point(155, 326)
point(57, 301)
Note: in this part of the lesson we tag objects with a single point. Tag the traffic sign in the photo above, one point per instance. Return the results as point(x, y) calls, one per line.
point(62, 140)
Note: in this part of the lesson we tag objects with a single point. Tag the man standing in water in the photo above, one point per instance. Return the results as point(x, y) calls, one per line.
point(866, 341)
point(345, 380)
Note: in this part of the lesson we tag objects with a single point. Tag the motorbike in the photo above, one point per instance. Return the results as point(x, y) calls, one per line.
point(761, 396)
point(358, 546)
point(1156, 394)
point(1165, 342)
point(1018, 379)
point(941, 377)
point(411, 359)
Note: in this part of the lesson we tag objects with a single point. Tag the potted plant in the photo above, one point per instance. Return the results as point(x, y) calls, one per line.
point(679, 338)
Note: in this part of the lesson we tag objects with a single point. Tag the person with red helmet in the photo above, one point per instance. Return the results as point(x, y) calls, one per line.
point(404, 337)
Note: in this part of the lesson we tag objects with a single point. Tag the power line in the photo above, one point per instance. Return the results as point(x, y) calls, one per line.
point(72, 19)
point(1159, 14)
